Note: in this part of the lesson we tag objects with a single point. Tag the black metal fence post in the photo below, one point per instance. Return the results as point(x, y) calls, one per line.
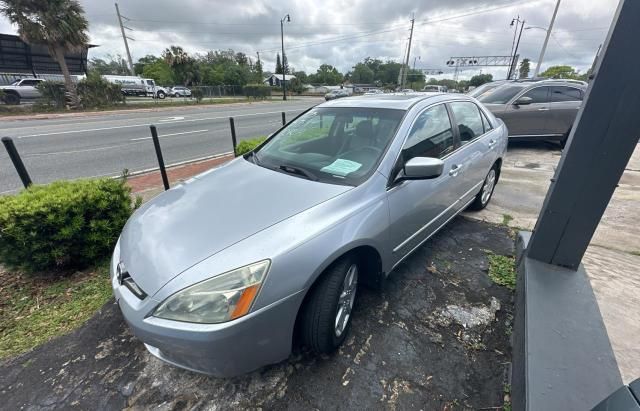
point(284, 118)
point(156, 144)
point(17, 161)
point(233, 135)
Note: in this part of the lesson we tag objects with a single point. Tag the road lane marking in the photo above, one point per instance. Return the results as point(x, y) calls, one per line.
point(147, 124)
point(169, 135)
point(172, 119)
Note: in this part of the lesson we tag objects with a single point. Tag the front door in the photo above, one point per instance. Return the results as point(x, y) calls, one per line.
point(419, 207)
point(528, 119)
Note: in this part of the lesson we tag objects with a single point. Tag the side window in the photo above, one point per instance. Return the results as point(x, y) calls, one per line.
point(150, 82)
point(468, 120)
point(564, 93)
point(486, 122)
point(430, 136)
point(29, 83)
point(538, 95)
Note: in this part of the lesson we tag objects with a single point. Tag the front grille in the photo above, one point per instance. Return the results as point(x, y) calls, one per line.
point(133, 287)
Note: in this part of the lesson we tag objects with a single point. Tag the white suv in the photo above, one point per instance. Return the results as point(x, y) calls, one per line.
point(23, 89)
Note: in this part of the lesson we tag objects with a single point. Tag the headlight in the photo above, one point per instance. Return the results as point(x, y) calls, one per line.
point(219, 299)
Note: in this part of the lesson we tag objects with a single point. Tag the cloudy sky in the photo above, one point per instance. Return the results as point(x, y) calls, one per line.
point(343, 32)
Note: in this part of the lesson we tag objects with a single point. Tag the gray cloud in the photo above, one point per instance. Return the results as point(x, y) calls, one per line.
point(363, 27)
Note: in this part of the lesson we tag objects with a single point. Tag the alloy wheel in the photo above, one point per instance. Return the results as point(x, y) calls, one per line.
point(346, 299)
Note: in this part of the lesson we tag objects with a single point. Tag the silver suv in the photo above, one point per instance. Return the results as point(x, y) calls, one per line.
point(537, 110)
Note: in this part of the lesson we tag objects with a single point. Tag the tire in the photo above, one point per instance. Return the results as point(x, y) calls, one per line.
point(11, 99)
point(161, 95)
point(327, 312)
point(563, 142)
point(486, 192)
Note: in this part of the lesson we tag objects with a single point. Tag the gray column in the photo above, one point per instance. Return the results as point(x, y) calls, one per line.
point(603, 139)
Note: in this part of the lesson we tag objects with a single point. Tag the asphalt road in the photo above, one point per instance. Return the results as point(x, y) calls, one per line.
point(106, 144)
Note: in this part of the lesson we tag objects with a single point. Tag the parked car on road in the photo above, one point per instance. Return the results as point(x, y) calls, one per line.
point(537, 110)
point(21, 90)
point(334, 94)
point(180, 91)
point(218, 274)
point(374, 91)
point(434, 89)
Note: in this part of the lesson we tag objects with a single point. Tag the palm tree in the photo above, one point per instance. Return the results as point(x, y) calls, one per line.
point(59, 24)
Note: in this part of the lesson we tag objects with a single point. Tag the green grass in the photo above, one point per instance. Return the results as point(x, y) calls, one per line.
point(506, 219)
point(34, 310)
point(506, 389)
point(502, 270)
point(637, 253)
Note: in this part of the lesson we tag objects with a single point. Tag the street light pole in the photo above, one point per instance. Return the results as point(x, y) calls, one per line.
point(546, 40)
point(284, 87)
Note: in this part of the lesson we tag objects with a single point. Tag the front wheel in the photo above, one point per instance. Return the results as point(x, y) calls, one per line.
point(161, 95)
point(11, 99)
point(327, 312)
point(486, 192)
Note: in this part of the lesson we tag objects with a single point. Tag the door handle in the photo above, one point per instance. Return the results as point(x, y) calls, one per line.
point(455, 169)
point(543, 109)
point(492, 143)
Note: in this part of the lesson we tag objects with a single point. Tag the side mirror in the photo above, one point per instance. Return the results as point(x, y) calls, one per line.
point(422, 168)
point(523, 101)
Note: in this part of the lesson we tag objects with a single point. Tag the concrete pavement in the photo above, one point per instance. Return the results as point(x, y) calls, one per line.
point(613, 257)
point(71, 147)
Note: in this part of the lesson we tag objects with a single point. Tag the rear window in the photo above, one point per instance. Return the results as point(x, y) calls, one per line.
point(564, 93)
point(502, 94)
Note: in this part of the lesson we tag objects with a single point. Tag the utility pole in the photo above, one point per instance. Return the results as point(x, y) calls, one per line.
point(406, 61)
point(284, 66)
point(514, 46)
point(124, 37)
point(514, 62)
point(546, 40)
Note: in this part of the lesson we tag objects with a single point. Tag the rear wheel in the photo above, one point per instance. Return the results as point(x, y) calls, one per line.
point(327, 312)
point(486, 192)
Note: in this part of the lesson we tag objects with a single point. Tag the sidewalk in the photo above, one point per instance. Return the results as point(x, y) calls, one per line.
point(149, 185)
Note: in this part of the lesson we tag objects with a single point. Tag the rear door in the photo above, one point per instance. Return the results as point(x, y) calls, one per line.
point(476, 154)
point(565, 101)
point(528, 119)
point(419, 207)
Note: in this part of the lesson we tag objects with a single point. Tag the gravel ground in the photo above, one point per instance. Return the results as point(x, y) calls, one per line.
point(435, 337)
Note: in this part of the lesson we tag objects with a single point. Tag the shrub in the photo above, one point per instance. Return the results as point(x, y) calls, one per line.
point(96, 92)
point(198, 94)
point(52, 95)
point(65, 224)
point(257, 91)
point(247, 145)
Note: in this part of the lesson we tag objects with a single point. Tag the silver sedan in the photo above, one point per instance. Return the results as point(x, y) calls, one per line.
point(219, 273)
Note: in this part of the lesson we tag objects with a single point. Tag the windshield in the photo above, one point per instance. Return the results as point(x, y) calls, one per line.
point(15, 83)
point(481, 90)
point(502, 94)
point(338, 145)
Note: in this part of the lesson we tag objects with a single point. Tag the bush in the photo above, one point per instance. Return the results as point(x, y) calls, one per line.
point(247, 145)
point(52, 95)
point(257, 91)
point(198, 94)
point(65, 224)
point(96, 92)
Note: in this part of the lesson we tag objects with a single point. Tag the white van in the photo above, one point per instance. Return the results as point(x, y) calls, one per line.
point(432, 88)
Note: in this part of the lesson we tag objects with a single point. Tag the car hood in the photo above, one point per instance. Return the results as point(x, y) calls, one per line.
point(209, 213)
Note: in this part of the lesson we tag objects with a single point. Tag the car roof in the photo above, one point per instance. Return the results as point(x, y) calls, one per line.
point(401, 101)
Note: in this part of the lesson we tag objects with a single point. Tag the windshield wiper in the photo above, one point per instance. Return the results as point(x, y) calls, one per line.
point(298, 171)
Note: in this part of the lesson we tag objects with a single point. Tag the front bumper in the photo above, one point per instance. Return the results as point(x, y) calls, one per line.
point(236, 347)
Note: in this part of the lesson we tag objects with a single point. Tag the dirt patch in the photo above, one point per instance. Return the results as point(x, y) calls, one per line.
point(398, 354)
